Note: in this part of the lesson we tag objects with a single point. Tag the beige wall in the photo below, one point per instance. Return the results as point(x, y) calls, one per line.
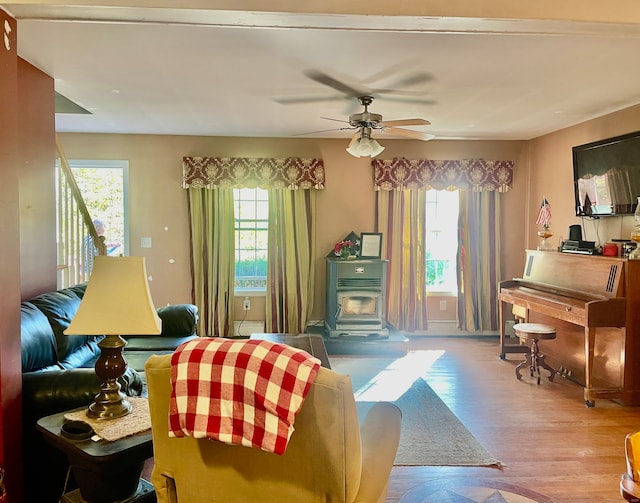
point(552, 176)
point(157, 200)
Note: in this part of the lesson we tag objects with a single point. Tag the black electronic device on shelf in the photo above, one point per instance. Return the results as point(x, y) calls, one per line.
point(578, 246)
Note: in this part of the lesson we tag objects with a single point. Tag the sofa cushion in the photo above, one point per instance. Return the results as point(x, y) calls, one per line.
point(178, 320)
point(84, 356)
point(153, 343)
point(60, 307)
point(38, 342)
point(79, 289)
point(178, 326)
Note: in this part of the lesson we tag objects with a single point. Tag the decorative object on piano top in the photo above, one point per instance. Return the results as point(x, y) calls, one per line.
point(544, 221)
point(610, 250)
point(575, 243)
point(635, 233)
point(627, 247)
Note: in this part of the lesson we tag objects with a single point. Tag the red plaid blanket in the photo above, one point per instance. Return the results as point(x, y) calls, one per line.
point(239, 392)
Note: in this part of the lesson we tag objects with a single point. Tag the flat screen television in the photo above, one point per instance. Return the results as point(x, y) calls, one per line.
point(606, 176)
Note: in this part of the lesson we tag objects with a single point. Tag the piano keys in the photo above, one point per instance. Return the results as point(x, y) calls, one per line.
point(593, 303)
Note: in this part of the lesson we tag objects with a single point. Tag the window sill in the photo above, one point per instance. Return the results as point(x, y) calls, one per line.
point(250, 292)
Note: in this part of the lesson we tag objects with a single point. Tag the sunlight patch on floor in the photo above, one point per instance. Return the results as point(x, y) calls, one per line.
point(394, 380)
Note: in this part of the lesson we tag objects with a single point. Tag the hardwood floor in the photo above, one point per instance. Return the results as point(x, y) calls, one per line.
point(549, 441)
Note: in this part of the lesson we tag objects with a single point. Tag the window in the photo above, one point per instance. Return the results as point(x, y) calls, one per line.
point(104, 188)
point(441, 240)
point(251, 209)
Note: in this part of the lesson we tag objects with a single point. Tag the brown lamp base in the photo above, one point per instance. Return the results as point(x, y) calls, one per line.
point(110, 403)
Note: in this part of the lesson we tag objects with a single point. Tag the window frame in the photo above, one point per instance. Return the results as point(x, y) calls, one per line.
point(122, 164)
point(437, 290)
point(248, 290)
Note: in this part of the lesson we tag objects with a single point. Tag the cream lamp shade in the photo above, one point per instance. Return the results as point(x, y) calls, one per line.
point(116, 302)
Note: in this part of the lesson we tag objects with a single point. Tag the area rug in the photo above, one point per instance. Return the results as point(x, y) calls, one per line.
point(431, 434)
point(472, 491)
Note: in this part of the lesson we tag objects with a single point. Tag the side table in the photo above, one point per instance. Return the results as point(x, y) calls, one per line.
point(106, 472)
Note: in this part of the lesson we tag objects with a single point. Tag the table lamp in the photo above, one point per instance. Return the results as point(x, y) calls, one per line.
point(116, 302)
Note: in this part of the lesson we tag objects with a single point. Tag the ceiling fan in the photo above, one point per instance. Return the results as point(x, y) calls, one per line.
point(365, 122)
point(392, 91)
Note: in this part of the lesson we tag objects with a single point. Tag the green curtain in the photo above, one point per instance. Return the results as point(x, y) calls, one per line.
point(401, 220)
point(211, 218)
point(478, 260)
point(290, 270)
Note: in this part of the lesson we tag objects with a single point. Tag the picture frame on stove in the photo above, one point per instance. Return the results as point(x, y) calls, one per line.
point(371, 245)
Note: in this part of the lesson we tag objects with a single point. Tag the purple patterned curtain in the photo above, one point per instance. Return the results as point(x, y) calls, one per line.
point(478, 261)
point(265, 173)
point(471, 174)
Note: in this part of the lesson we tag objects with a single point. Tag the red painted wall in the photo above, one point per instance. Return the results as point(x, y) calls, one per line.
point(10, 375)
point(27, 226)
point(36, 181)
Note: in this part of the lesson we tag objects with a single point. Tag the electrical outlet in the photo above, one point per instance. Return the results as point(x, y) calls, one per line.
point(443, 305)
point(246, 305)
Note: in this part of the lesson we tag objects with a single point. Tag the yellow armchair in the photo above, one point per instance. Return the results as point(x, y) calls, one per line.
point(630, 481)
point(330, 457)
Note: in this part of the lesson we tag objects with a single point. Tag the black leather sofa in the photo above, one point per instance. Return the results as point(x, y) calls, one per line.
point(58, 374)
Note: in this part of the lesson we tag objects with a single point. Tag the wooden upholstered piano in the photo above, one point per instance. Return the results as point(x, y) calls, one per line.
point(594, 304)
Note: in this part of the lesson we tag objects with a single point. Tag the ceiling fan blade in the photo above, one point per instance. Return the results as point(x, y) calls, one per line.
point(396, 92)
point(407, 99)
point(336, 120)
point(323, 131)
point(406, 122)
point(327, 80)
point(306, 99)
point(411, 80)
point(416, 135)
point(398, 85)
point(354, 139)
point(385, 72)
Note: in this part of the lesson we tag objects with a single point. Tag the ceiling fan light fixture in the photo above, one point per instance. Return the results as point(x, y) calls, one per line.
point(365, 147)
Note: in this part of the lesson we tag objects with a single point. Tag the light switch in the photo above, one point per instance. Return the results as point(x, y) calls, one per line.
point(145, 242)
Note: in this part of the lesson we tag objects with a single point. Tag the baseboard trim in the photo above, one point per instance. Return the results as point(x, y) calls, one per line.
point(449, 329)
point(246, 328)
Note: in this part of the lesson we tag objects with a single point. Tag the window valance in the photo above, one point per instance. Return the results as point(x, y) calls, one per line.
point(266, 173)
point(470, 174)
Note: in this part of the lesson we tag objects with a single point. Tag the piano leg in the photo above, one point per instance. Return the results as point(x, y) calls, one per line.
point(591, 392)
point(589, 351)
point(505, 347)
point(501, 326)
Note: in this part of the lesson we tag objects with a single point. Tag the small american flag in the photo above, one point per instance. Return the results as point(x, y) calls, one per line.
point(544, 215)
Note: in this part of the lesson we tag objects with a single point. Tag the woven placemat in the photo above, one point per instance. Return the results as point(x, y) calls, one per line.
point(115, 429)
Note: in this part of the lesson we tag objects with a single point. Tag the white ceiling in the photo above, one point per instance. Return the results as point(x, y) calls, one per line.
point(222, 73)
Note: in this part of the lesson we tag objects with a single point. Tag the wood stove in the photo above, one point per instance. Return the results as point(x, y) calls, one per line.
point(356, 298)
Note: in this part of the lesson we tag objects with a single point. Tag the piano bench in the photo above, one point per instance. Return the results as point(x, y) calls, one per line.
point(532, 333)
